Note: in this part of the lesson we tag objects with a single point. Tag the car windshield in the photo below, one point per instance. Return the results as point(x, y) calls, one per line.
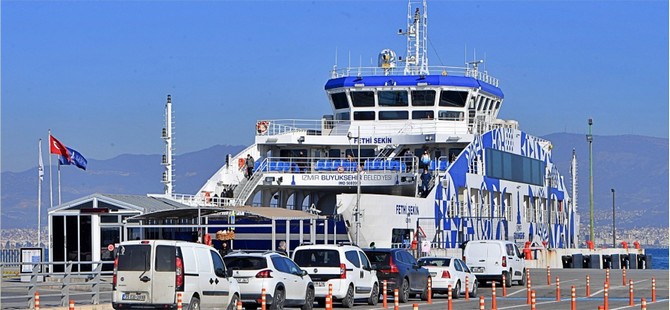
point(134, 257)
point(378, 258)
point(245, 263)
point(437, 262)
point(317, 258)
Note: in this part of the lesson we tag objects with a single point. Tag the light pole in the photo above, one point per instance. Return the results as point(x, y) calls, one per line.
point(613, 222)
point(357, 211)
point(589, 138)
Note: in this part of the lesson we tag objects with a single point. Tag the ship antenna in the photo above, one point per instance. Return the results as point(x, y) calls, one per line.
point(416, 61)
point(167, 157)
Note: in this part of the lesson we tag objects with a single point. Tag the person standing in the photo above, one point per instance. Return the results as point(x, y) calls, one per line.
point(425, 160)
point(250, 166)
point(425, 180)
point(282, 248)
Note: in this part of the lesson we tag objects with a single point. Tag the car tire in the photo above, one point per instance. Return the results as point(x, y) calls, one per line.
point(424, 294)
point(233, 302)
point(404, 291)
point(508, 279)
point(278, 299)
point(522, 282)
point(348, 300)
point(374, 295)
point(194, 304)
point(456, 292)
point(321, 302)
point(250, 307)
point(475, 287)
point(309, 299)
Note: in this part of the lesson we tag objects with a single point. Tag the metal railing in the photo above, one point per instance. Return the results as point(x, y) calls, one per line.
point(84, 282)
point(440, 70)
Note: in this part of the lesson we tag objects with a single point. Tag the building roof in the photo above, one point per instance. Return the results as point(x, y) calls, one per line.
point(263, 212)
point(141, 203)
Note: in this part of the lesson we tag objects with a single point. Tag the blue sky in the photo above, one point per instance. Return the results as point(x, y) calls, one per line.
point(97, 73)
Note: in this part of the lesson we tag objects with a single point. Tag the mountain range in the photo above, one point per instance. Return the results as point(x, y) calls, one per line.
point(635, 166)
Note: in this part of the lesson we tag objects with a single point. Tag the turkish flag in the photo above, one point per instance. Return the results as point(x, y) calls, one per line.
point(58, 148)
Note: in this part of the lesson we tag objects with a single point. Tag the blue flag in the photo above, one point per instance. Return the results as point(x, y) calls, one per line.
point(75, 158)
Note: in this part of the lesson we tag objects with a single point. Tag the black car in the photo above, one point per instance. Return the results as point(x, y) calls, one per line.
point(400, 270)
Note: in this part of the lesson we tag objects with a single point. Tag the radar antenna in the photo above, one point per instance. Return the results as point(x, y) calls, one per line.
point(416, 62)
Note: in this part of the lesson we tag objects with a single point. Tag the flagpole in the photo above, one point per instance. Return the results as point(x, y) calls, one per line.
point(59, 201)
point(40, 175)
point(51, 194)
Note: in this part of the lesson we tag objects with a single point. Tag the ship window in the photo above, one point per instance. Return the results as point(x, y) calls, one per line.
point(364, 116)
point(450, 98)
point(393, 98)
point(390, 115)
point(423, 115)
point(344, 116)
point(512, 167)
point(340, 100)
point(363, 98)
point(444, 115)
point(423, 98)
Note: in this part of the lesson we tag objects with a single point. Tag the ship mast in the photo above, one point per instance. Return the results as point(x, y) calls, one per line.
point(416, 62)
point(167, 157)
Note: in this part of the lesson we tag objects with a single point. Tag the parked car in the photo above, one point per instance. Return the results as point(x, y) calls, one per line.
point(491, 259)
point(450, 271)
point(284, 282)
point(400, 270)
point(345, 267)
point(150, 273)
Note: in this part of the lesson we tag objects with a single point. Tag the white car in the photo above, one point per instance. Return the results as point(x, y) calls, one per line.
point(148, 274)
point(284, 282)
point(493, 259)
point(346, 267)
point(446, 271)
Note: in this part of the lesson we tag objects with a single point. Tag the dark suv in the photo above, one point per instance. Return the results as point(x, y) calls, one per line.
point(400, 270)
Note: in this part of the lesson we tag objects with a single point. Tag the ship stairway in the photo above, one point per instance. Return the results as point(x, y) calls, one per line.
point(246, 187)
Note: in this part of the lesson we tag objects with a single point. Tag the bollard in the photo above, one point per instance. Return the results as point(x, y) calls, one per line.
point(71, 304)
point(607, 276)
point(396, 303)
point(631, 301)
point(330, 289)
point(467, 289)
point(573, 298)
point(588, 286)
point(180, 304)
point(449, 297)
point(606, 305)
point(558, 289)
point(385, 305)
point(548, 276)
point(239, 305)
point(329, 302)
point(263, 300)
point(493, 295)
point(528, 290)
point(504, 287)
point(37, 301)
point(643, 304)
point(481, 303)
point(601, 307)
point(653, 289)
point(430, 290)
point(623, 273)
point(415, 306)
point(532, 300)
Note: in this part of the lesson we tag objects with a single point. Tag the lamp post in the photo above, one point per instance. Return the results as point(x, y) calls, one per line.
point(357, 211)
point(613, 222)
point(589, 138)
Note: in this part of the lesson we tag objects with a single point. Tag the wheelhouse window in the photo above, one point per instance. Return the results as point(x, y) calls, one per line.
point(423, 98)
point(363, 99)
point(391, 115)
point(340, 100)
point(423, 115)
point(454, 116)
point(364, 116)
point(392, 98)
point(343, 116)
point(450, 98)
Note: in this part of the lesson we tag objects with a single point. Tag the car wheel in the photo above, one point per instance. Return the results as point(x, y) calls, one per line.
point(348, 300)
point(278, 300)
point(404, 291)
point(309, 299)
point(424, 294)
point(250, 307)
point(233, 302)
point(475, 287)
point(456, 292)
point(374, 295)
point(508, 279)
point(321, 302)
point(522, 282)
point(194, 304)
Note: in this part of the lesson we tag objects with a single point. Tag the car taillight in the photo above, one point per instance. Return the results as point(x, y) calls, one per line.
point(116, 267)
point(264, 274)
point(504, 262)
point(343, 271)
point(179, 274)
point(446, 274)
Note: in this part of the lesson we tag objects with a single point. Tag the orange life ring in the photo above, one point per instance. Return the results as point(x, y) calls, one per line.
point(262, 127)
point(207, 197)
point(340, 169)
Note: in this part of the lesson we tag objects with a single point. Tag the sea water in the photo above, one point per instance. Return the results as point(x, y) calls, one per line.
point(659, 258)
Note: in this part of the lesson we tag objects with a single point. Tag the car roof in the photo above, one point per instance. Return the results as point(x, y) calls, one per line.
point(326, 246)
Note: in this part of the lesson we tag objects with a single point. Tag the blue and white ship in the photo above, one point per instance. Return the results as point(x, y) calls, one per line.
point(362, 165)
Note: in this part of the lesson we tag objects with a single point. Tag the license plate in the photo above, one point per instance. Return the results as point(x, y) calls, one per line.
point(242, 280)
point(320, 284)
point(134, 297)
point(477, 269)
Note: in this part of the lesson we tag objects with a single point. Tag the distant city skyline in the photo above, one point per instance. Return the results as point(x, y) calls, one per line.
point(98, 73)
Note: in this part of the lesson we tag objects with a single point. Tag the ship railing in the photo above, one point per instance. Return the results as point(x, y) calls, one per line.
point(335, 165)
point(308, 127)
point(325, 127)
point(204, 199)
point(436, 70)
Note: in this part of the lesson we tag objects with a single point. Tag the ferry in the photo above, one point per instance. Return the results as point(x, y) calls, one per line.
point(411, 152)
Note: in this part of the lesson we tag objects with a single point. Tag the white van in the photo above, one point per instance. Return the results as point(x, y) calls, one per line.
point(491, 259)
point(150, 273)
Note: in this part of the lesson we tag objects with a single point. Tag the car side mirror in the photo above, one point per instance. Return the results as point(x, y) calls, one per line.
point(303, 272)
point(220, 272)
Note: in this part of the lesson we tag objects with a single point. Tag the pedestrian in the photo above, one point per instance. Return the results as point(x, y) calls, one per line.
point(425, 160)
point(224, 248)
point(409, 161)
point(250, 166)
point(425, 181)
point(282, 248)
